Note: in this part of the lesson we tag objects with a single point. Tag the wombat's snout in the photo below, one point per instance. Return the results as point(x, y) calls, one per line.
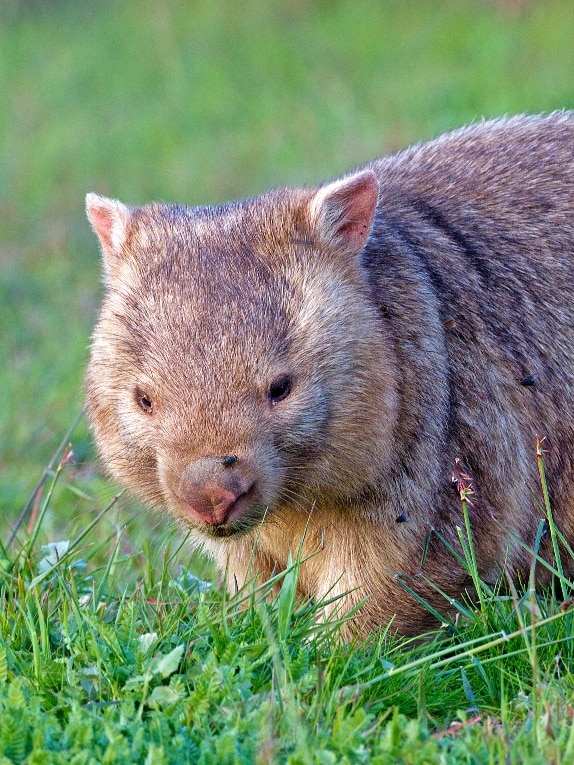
point(213, 492)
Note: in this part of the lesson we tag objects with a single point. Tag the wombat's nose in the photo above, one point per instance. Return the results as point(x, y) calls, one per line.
point(213, 499)
point(211, 504)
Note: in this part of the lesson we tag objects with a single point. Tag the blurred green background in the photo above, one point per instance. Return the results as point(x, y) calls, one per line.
point(199, 102)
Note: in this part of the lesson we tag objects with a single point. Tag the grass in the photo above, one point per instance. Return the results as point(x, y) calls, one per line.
point(111, 648)
point(99, 666)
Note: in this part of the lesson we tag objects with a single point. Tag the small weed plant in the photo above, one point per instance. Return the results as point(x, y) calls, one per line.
point(98, 667)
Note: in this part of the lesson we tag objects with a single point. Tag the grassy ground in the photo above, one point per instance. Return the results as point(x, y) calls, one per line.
point(168, 670)
point(201, 102)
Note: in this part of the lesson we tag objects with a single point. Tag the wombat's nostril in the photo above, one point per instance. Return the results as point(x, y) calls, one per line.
point(228, 461)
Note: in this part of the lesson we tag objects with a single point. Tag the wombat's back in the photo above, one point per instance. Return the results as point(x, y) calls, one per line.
point(480, 222)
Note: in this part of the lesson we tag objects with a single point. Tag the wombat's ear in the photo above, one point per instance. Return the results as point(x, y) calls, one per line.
point(109, 219)
point(342, 212)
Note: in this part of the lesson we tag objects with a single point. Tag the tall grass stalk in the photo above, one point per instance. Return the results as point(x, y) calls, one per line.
point(548, 508)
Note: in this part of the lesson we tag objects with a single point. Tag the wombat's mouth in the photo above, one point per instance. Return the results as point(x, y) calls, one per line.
point(222, 532)
point(239, 526)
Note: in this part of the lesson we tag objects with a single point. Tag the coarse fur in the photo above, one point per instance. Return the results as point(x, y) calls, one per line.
point(308, 364)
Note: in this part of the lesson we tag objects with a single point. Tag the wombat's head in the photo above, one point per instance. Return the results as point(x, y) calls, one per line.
point(231, 372)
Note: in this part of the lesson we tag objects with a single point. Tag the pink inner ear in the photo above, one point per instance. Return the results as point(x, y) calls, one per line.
point(348, 208)
point(102, 220)
point(358, 210)
point(109, 219)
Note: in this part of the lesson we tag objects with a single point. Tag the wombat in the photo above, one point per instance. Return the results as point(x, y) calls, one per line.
point(308, 370)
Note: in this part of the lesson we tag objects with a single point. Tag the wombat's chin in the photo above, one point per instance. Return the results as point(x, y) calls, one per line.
point(227, 530)
point(233, 529)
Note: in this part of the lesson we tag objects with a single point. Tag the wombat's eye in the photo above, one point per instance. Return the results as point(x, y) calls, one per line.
point(279, 389)
point(143, 400)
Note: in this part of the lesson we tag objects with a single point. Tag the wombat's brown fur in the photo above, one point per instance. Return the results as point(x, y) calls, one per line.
point(310, 363)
